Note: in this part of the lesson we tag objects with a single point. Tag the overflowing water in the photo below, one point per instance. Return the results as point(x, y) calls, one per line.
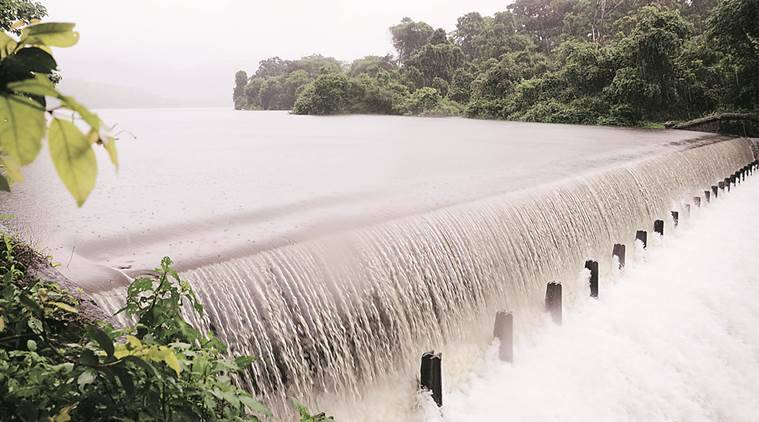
point(331, 316)
point(337, 250)
point(675, 338)
point(209, 185)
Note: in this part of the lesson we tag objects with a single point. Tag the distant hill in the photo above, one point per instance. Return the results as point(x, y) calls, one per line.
point(100, 95)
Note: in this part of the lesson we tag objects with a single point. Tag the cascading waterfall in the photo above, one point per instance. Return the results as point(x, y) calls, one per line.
point(329, 316)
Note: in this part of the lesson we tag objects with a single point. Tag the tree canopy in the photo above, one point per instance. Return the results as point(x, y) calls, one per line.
point(23, 12)
point(625, 62)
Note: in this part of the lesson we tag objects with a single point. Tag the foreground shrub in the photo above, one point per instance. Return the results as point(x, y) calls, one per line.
point(56, 365)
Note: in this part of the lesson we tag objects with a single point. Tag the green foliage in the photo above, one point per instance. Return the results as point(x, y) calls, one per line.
point(57, 365)
point(437, 61)
point(372, 65)
point(732, 28)
point(409, 36)
point(441, 86)
point(276, 83)
point(423, 100)
point(327, 94)
point(460, 88)
point(429, 101)
point(381, 94)
point(564, 61)
point(238, 95)
point(336, 93)
point(27, 69)
point(14, 13)
point(306, 416)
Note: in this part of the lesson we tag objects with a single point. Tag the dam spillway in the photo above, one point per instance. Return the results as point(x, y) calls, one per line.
point(340, 312)
point(337, 310)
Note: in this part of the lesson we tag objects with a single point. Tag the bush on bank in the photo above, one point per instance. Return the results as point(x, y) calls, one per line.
point(56, 365)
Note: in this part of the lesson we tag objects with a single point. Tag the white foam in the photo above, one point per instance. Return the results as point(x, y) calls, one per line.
point(675, 338)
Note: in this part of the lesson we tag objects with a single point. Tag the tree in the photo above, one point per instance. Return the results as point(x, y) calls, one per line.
point(542, 19)
point(423, 99)
point(371, 65)
point(314, 64)
point(273, 66)
point(276, 83)
point(647, 49)
point(19, 11)
point(327, 94)
point(469, 29)
point(441, 86)
point(409, 36)
point(461, 85)
point(26, 67)
point(380, 94)
point(733, 28)
point(621, 62)
point(437, 60)
point(497, 78)
point(238, 95)
point(439, 37)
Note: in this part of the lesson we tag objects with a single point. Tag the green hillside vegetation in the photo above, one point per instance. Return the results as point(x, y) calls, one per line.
point(563, 61)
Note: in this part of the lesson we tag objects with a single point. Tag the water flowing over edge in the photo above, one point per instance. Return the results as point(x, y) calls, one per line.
point(330, 316)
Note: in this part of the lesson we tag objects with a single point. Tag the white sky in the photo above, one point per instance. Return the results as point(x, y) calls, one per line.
point(188, 50)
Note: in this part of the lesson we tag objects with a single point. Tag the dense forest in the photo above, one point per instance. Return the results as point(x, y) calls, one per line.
point(614, 62)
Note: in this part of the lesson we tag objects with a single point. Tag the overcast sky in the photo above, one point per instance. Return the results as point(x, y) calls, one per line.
point(188, 50)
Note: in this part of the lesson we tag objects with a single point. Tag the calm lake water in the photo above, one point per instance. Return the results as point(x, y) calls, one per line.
point(205, 185)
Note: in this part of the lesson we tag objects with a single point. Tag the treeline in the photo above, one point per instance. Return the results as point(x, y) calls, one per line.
point(623, 62)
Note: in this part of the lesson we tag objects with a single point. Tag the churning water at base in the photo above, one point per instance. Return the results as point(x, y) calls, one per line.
point(676, 338)
point(330, 316)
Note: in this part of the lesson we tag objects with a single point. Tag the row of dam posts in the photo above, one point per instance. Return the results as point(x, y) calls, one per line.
point(431, 371)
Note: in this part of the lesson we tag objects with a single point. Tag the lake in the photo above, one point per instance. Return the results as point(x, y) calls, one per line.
point(206, 185)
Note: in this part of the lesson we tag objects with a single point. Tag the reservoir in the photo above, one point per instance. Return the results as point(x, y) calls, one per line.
point(338, 249)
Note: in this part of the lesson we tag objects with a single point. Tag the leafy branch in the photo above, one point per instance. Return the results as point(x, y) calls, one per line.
point(27, 72)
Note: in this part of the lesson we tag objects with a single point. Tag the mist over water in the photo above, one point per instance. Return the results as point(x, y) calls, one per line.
point(675, 337)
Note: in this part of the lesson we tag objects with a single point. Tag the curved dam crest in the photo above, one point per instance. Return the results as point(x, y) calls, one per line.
point(328, 317)
point(207, 185)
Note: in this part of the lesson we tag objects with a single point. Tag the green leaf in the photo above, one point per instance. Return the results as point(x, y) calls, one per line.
point(63, 414)
point(65, 306)
point(39, 85)
point(125, 377)
point(224, 366)
point(89, 117)
point(88, 358)
point(30, 303)
point(22, 126)
point(167, 356)
point(254, 405)
point(110, 148)
point(4, 186)
point(243, 362)
point(11, 169)
point(35, 324)
point(53, 34)
point(101, 338)
point(36, 60)
point(228, 396)
point(150, 369)
point(7, 45)
point(87, 377)
point(31, 345)
point(73, 157)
